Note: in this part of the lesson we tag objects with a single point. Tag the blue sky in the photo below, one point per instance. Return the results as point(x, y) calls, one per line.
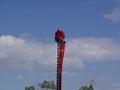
point(28, 50)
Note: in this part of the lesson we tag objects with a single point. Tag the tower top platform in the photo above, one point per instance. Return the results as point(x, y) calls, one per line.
point(59, 35)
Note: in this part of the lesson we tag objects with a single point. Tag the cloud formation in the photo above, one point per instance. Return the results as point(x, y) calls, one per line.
point(19, 53)
point(114, 15)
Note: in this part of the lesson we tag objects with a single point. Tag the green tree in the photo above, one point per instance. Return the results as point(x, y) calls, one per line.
point(30, 88)
point(90, 87)
point(48, 85)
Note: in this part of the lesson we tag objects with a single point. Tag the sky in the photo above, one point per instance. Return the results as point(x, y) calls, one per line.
point(28, 50)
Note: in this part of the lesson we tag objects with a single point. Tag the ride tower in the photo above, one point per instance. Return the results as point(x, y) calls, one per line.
point(59, 38)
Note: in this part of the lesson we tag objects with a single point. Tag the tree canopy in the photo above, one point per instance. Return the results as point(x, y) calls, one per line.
point(48, 85)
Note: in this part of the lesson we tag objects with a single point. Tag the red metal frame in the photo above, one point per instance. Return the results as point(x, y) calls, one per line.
point(59, 38)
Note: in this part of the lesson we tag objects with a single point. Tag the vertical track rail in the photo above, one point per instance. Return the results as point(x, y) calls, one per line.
point(58, 66)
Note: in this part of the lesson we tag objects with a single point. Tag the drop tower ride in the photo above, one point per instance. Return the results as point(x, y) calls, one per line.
point(59, 38)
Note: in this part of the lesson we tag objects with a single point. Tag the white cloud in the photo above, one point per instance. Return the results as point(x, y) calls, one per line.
point(114, 15)
point(20, 53)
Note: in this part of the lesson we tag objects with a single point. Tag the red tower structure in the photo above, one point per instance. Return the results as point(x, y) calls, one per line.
point(59, 38)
